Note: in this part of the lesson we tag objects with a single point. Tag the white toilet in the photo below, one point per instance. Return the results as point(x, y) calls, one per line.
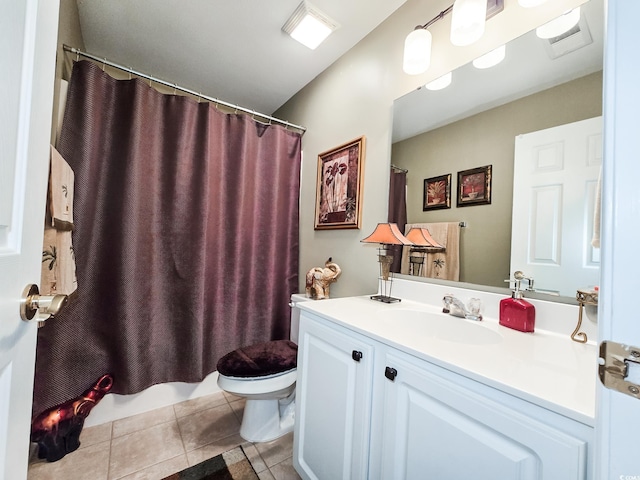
point(269, 391)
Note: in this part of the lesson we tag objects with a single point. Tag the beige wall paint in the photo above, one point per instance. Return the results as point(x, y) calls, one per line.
point(488, 138)
point(355, 97)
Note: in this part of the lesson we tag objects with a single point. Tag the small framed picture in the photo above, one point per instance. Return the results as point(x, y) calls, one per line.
point(437, 193)
point(339, 187)
point(474, 186)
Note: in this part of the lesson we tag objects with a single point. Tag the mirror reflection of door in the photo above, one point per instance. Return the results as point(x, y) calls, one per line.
point(554, 196)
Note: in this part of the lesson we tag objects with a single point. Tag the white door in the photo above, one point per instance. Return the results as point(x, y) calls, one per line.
point(554, 192)
point(28, 31)
point(618, 415)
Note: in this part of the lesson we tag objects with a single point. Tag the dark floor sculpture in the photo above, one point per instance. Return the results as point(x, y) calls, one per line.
point(57, 430)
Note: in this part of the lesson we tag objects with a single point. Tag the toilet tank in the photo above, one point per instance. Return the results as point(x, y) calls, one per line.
point(295, 314)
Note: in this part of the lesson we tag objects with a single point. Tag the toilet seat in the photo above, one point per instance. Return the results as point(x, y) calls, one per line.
point(271, 384)
point(260, 360)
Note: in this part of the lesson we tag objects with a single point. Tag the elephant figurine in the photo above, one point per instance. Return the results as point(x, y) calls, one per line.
point(57, 429)
point(319, 279)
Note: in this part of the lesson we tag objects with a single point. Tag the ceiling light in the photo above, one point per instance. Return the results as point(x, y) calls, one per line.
point(309, 26)
point(439, 83)
point(467, 21)
point(417, 51)
point(559, 25)
point(530, 3)
point(490, 59)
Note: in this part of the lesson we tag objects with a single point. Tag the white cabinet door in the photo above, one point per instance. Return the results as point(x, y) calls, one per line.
point(434, 428)
point(333, 403)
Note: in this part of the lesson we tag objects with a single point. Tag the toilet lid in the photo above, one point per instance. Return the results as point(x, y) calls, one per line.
point(260, 359)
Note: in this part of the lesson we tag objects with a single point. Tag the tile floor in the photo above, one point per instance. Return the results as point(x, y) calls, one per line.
point(153, 445)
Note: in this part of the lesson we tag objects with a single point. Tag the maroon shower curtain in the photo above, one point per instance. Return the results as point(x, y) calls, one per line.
point(397, 211)
point(186, 238)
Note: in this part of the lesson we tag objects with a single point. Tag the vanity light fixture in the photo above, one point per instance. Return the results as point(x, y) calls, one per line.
point(309, 26)
point(441, 82)
point(560, 25)
point(491, 59)
point(467, 21)
point(386, 234)
point(467, 26)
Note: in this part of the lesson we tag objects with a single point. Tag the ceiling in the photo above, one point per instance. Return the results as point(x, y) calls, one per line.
point(231, 50)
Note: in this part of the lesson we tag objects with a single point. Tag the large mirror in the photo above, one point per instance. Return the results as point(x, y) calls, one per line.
point(474, 123)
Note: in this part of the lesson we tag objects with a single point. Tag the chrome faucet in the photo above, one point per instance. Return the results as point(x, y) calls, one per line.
point(455, 307)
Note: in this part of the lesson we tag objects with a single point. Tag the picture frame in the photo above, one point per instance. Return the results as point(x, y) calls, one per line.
point(437, 193)
point(339, 186)
point(474, 186)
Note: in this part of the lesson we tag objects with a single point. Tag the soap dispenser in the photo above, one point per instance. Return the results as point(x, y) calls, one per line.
point(516, 312)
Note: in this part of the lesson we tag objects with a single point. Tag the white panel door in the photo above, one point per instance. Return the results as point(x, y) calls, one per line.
point(555, 178)
point(28, 30)
point(618, 415)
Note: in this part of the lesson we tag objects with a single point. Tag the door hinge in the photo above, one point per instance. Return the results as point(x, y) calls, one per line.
point(615, 359)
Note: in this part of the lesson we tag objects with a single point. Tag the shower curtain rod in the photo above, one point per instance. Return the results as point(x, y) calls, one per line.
point(400, 169)
point(253, 113)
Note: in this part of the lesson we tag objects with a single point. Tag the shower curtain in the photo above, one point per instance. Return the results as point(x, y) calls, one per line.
point(397, 211)
point(186, 238)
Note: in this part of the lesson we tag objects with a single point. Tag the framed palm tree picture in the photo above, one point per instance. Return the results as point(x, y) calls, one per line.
point(474, 186)
point(339, 187)
point(437, 193)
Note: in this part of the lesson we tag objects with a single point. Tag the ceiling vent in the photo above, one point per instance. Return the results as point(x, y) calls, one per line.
point(570, 41)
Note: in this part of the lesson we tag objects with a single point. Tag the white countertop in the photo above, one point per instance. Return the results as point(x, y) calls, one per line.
point(544, 367)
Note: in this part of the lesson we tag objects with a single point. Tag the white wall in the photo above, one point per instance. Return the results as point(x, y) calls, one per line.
point(354, 97)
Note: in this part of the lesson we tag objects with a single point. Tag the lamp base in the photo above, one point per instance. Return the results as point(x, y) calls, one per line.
point(385, 299)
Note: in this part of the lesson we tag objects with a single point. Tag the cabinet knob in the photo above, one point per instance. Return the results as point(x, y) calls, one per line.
point(356, 355)
point(390, 373)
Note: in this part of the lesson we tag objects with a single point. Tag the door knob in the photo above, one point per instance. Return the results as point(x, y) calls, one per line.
point(32, 302)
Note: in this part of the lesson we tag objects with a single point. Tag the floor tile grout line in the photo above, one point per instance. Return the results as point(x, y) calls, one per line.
point(184, 447)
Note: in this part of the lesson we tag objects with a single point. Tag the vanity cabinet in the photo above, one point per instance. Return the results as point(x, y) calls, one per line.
point(333, 403)
point(434, 425)
point(392, 415)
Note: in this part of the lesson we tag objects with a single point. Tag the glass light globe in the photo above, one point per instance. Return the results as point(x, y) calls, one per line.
point(417, 52)
point(467, 21)
point(439, 83)
point(490, 59)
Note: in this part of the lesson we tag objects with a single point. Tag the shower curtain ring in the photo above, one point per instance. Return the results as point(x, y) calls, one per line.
point(104, 61)
point(130, 71)
point(77, 55)
point(175, 86)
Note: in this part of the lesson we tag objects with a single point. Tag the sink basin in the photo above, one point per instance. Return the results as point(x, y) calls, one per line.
point(442, 326)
